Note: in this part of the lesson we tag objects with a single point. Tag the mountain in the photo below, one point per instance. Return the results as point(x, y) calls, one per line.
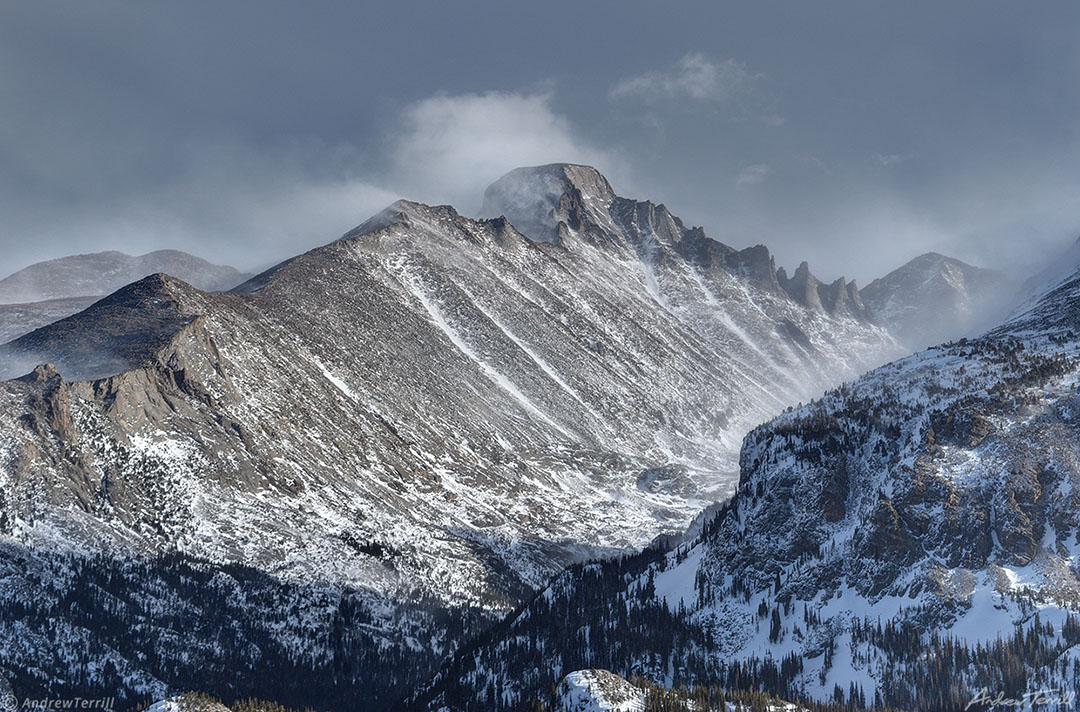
point(933, 299)
point(102, 273)
point(49, 291)
point(338, 472)
point(19, 319)
point(911, 539)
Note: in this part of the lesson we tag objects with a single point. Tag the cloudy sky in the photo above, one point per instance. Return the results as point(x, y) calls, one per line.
point(852, 134)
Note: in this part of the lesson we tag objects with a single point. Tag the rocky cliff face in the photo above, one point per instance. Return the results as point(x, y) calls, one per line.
point(911, 538)
point(419, 423)
point(841, 298)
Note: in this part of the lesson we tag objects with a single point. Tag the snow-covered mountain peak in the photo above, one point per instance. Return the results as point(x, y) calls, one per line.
point(392, 214)
point(46, 292)
point(934, 298)
point(537, 198)
point(403, 212)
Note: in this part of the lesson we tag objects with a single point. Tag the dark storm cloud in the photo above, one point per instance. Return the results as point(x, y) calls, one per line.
point(850, 134)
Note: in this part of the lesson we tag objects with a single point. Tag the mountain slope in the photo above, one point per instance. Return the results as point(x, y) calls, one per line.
point(425, 420)
point(102, 273)
point(49, 291)
point(19, 319)
point(934, 298)
point(912, 538)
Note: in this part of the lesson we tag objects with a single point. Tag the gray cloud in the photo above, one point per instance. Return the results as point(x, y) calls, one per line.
point(451, 147)
point(248, 131)
point(236, 203)
point(890, 159)
point(752, 174)
point(694, 76)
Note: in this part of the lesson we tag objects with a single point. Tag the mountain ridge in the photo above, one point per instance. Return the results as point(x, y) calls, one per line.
point(909, 539)
point(441, 410)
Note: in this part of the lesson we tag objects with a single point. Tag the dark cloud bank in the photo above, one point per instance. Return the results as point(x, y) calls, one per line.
point(849, 134)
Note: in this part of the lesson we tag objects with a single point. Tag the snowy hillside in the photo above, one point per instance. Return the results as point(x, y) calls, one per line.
point(910, 539)
point(598, 691)
point(402, 434)
point(934, 298)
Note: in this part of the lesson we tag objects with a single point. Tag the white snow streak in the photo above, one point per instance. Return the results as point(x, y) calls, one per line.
point(413, 285)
